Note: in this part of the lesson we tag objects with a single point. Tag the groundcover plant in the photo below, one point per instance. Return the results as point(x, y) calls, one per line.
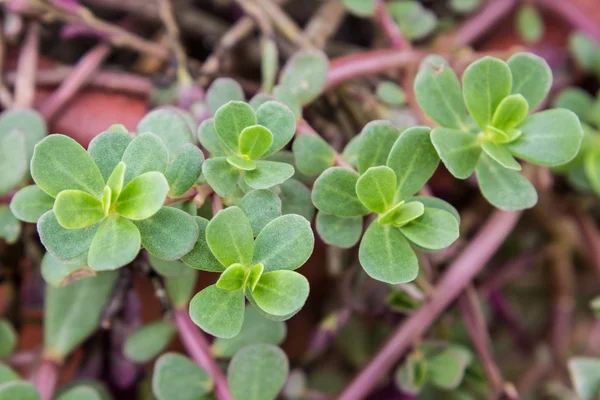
point(440, 195)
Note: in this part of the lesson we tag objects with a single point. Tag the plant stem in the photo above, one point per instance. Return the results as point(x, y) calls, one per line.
point(459, 274)
point(198, 347)
point(26, 67)
point(45, 378)
point(574, 15)
point(87, 65)
point(483, 21)
point(165, 11)
point(217, 204)
point(372, 62)
point(390, 27)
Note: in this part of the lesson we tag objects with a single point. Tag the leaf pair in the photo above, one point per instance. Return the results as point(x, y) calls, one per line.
point(238, 137)
point(498, 97)
point(261, 270)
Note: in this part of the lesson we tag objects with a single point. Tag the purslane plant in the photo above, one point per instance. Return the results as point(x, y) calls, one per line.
point(393, 168)
point(499, 97)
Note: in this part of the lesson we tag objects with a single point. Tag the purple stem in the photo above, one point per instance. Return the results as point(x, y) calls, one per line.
point(26, 67)
point(574, 15)
point(483, 21)
point(392, 31)
point(46, 378)
point(460, 273)
point(198, 347)
point(506, 313)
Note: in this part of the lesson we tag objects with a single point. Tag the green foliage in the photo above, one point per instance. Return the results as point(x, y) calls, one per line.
point(58, 273)
point(391, 93)
point(304, 76)
point(183, 171)
point(334, 193)
point(81, 392)
point(10, 228)
point(337, 231)
point(261, 207)
point(361, 8)
point(29, 203)
point(414, 20)
point(171, 125)
point(586, 52)
point(7, 374)
point(18, 390)
point(8, 338)
point(313, 154)
point(585, 375)
point(180, 288)
point(148, 341)
point(200, 257)
point(464, 6)
point(530, 24)
point(257, 372)
point(176, 377)
point(221, 92)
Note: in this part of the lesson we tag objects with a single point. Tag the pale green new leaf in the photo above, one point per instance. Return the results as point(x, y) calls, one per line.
point(176, 377)
point(107, 150)
point(58, 273)
point(143, 196)
point(592, 170)
point(29, 203)
point(20, 390)
point(313, 155)
point(8, 338)
point(280, 120)
point(504, 188)
point(376, 188)
point(500, 154)
point(337, 231)
point(146, 152)
point(386, 256)
point(511, 111)
point(305, 74)
point(232, 278)
point(255, 141)
point(200, 257)
point(116, 181)
point(116, 244)
point(168, 123)
point(221, 175)
point(183, 171)
point(218, 312)
point(434, 230)
point(261, 207)
point(458, 150)
point(148, 341)
point(284, 243)
point(334, 192)
point(406, 213)
point(64, 243)
point(268, 174)
point(221, 92)
point(257, 372)
point(76, 209)
point(281, 293)
point(13, 160)
point(585, 374)
point(60, 163)
point(531, 77)
point(229, 237)
point(241, 163)
point(231, 119)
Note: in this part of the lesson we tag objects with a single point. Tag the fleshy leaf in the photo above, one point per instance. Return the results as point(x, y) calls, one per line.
point(447, 368)
point(13, 160)
point(221, 92)
point(149, 340)
point(592, 170)
point(305, 75)
point(434, 230)
point(207, 135)
point(500, 154)
point(28, 122)
point(284, 243)
point(579, 101)
point(76, 209)
point(391, 93)
point(241, 163)
point(176, 377)
point(337, 231)
point(530, 23)
point(361, 8)
point(116, 244)
point(229, 237)
point(232, 278)
point(376, 141)
point(585, 51)
point(64, 243)
point(386, 256)
point(107, 150)
point(412, 375)
point(255, 141)
point(184, 170)
point(313, 154)
point(116, 181)
point(58, 273)
point(585, 374)
point(145, 153)
point(200, 257)
point(511, 111)
point(10, 227)
point(295, 199)
point(7, 374)
point(257, 372)
point(268, 174)
point(180, 288)
point(280, 120)
point(169, 234)
point(376, 188)
point(334, 192)
point(167, 268)
point(29, 203)
point(550, 138)
point(504, 188)
point(532, 77)
point(143, 196)
point(261, 207)
point(170, 125)
point(218, 312)
point(221, 175)
point(231, 119)
point(485, 83)
point(80, 392)
point(414, 20)
point(60, 163)
point(8, 338)
point(18, 390)
point(408, 212)
point(414, 160)
point(281, 293)
point(458, 150)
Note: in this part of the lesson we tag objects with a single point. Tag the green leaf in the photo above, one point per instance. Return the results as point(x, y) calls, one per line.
point(391, 93)
point(181, 287)
point(10, 227)
point(486, 82)
point(29, 123)
point(281, 293)
point(229, 237)
point(550, 138)
point(586, 51)
point(447, 368)
point(284, 243)
point(458, 150)
point(207, 135)
point(221, 175)
point(183, 172)
point(107, 150)
point(504, 188)
point(18, 390)
point(8, 338)
point(313, 154)
point(170, 125)
point(376, 188)
point(361, 8)
point(305, 75)
point(376, 141)
point(337, 231)
point(176, 377)
point(386, 256)
point(268, 174)
point(148, 341)
point(269, 63)
point(412, 375)
point(145, 153)
point(115, 182)
point(218, 312)
point(255, 329)
point(296, 199)
point(403, 213)
point(261, 207)
point(80, 393)
point(7, 374)
point(280, 120)
point(231, 119)
point(64, 243)
point(167, 268)
point(414, 20)
point(143, 196)
point(232, 278)
point(438, 93)
point(414, 160)
point(434, 230)
point(511, 111)
point(255, 141)
point(169, 234)
point(253, 276)
point(72, 312)
point(241, 163)
point(200, 257)
point(60, 163)
point(465, 6)
point(258, 100)
point(116, 244)
point(221, 92)
point(29, 203)
point(531, 77)
point(76, 209)
point(592, 170)
point(58, 273)
point(13, 160)
point(257, 372)
point(530, 24)
point(334, 192)
point(500, 154)
point(579, 101)
point(289, 99)
point(585, 374)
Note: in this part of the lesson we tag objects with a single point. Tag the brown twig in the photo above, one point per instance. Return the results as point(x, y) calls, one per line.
point(165, 10)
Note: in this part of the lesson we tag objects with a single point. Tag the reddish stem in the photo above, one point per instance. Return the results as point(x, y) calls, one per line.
point(472, 259)
point(198, 347)
point(574, 15)
point(390, 27)
point(483, 21)
point(80, 74)
point(45, 378)
point(26, 67)
point(217, 204)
